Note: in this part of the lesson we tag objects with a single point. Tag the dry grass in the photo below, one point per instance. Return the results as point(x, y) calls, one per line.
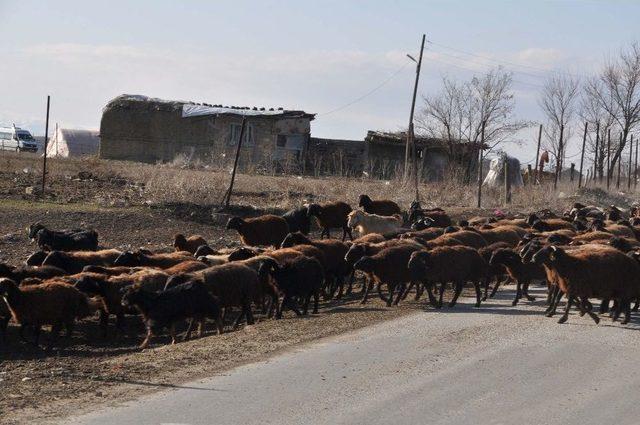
point(117, 183)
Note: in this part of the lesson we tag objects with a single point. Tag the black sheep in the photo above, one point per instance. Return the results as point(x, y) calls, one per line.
point(86, 240)
point(298, 220)
point(163, 309)
point(301, 277)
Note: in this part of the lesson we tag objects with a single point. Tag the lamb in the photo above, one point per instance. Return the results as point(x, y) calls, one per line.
point(521, 273)
point(388, 266)
point(457, 264)
point(301, 277)
point(54, 304)
point(331, 216)
point(264, 230)
point(164, 309)
point(74, 262)
point(189, 244)
point(18, 274)
point(382, 207)
point(161, 261)
point(49, 240)
point(366, 223)
point(593, 272)
point(298, 220)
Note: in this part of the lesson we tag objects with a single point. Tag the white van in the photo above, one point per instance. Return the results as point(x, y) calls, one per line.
point(17, 139)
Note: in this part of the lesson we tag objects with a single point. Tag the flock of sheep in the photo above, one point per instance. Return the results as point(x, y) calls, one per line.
point(588, 253)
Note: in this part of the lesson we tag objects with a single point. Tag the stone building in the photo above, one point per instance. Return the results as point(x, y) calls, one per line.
point(139, 128)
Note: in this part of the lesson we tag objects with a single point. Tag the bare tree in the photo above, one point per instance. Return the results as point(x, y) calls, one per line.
point(558, 102)
point(599, 119)
point(619, 93)
point(458, 113)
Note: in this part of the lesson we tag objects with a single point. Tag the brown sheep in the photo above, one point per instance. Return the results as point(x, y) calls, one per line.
point(74, 262)
point(456, 264)
point(505, 234)
point(389, 267)
point(235, 285)
point(267, 230)
point(593, 272)
point(370, 238)
point(332, 215)
point(336, 268)
point(494, 272)
point(551, 224)
point(190, 244)
point(188, 266)
point(521, 273)
point(52, 304)
point(462, 237)
point(383, 207)
point(17, 274)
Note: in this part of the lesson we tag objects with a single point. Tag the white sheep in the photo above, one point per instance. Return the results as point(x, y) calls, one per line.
point(366, 223)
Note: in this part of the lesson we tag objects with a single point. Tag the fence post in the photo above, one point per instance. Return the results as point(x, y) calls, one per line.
point(529, 175)
point(572, 172)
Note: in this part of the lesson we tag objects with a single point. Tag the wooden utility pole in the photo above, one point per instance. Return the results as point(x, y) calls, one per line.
point(410, 134)
point(535, 166)
point(635, 171)
point(584, 141)
point(46, 141)
point(608, 158)
point(630, 162)
point(558, 175)
point(595, 157)
point(619, 161)
point(480, 166)
point(227, 195)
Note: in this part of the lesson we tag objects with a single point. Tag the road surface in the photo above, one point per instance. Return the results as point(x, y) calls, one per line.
point(494, 365)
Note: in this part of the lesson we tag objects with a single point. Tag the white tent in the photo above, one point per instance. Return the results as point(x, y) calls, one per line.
point(495, 176)
point(71, 142)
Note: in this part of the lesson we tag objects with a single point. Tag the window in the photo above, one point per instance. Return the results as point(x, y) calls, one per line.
point(5, 136)
point(234, 134)
point(25, 136)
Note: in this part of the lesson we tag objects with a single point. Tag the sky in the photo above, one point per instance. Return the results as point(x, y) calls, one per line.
point(344, 60)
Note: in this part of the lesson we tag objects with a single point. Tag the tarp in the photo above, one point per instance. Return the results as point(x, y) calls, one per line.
point(495, 176)
point(73, 142)
point(200, 110)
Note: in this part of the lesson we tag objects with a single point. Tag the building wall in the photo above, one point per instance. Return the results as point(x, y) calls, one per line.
point(161, 134)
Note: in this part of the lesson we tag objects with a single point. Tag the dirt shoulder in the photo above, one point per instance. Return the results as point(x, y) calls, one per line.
point(88, 372)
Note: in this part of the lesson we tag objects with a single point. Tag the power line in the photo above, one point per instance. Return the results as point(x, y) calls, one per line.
point(542, 70)
point(367, 94)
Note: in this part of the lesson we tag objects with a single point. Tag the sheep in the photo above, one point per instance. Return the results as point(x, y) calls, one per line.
point(190, 244)
point(623, 244)
point(112, 270)
point(424, 235)
point(188, 266)
point(161, 261)
point(235, 284)
point(614, 213)
point(429, 218)
point(333, 250)
point(456, 264)
point(388, 266)
point(366, 223)
point(382, 207)
point(54, 304)
point(494, 271)
point(601, 272)
point(370, 238)
point(521, 273)
point(263, 230)
point(462, 237)
point(506, 234)
point(551, 225)
point(49, 240)
point(298, 220)
point(357, 250)
point(36, 258)
point(18, 274)
point(5, 316)
point(214, 260)
point(301, 277)
point(74, 262)
point(163, 309)
point(331, 216)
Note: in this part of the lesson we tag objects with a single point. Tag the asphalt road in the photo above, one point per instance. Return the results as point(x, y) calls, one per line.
point(493, 365)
